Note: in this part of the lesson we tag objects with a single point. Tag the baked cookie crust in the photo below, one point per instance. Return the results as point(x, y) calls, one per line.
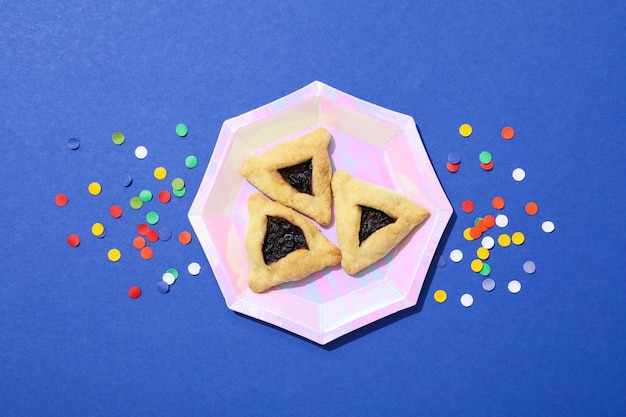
point(349, 195)
point(262, 172)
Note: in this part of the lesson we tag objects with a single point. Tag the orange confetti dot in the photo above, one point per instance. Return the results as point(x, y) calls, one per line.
point(489, 221)
point(482, 226)
point(475, 232)
point(184, 237)
point(498, 203)
point(531, 208)
point(508, 133)
point(146, 253)
point(139, 242)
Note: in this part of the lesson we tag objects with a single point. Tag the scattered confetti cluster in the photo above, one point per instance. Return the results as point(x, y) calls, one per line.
point(483, 228)
point(146, 233)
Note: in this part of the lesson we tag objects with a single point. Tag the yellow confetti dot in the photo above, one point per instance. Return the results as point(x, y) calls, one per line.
point(482, 253)
point(97, 229)
point(114, 255)
point(504, 240)
point(518, 238)
point(465, 130)
point(466, 234)
point(94, 188)
point(476, 265)
point(440, 296)
point(160, 173)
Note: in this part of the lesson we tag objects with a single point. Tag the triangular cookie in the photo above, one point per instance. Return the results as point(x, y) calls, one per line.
point(392, 218)
point(290, 261)
point(297, 174)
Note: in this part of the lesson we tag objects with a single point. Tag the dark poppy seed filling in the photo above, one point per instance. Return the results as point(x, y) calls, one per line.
point(281, 238)
point(371, 221)
point(299, 176)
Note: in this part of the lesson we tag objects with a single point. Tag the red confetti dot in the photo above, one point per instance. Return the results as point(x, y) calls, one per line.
point(452, 167)
point(143, 229)
point(165, 196)
point(152, 235)
point(467, 206)
point(116, 211)
point(60, 200)
point(487, 167)
point(134, 292)
point(73, 240)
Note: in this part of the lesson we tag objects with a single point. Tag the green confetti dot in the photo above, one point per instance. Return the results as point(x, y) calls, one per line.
point(178, 184)
point(191, 161)
point(118, 138)
point(180, 193)
point(173, 271)
point(485, 157)
point(136, 203)
point(145, 196)
point(181, 129)
point(152, 217)
point(485, 270)
point(476, 220)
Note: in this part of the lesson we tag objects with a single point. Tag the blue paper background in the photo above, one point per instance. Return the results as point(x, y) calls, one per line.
point(73, 343)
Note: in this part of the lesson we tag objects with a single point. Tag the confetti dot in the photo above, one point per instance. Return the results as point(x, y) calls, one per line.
point(97, 229)
point(180, 193)
point(152, 235)
point(467, 206)
point(73, 240)
point(194, 268)
point(134, 292)
point(152, 217)
point(94, 188)
point(485, 157)
point(504, 240)
point(489, 221)
point(475, 232)
point(502, 220)
point(529, 267)
point(191, 161)
point(143, 229)
point(485, 270)
point(452, 167)
point(139, 242)
point(181, 130)
point(145, 196)
point(465, 130)
point(146, 253)
point(456, 255)
point(178, 184)
point(518, 174)
point(116, 211)
point(498, 203)
point(440, 296)
point(547, 226)
point(114, 255)
point(508, 133)
point(184, 237)
point(518, 238)
point(467, 234)
point(160, 173)
point(141, 152)
point(482, 253)
point(165, 196)
point(173, 271)
point(531, 208)
point(136, 203)
point(73, 143)
point(162, 287)
point(515, 286)
point(467, 300)
point(487, 167)
point(454, 158)
point(118, 138)
point(488, 242)
point(60, 200)
point(489, 284)
point(168, 278)
point(476, 265)
point(126, 180)
point(165, 234)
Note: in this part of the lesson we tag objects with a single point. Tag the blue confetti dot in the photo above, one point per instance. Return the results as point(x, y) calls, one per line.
point(165, 234)
point(163, 287)
point(126, 180)
point(73, 143)
point(454, 158)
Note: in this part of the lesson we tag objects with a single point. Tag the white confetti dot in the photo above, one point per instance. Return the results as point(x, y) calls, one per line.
point(467, 300)
point(515, 286)
point(488, 242)
point(502, 220)
point(529, 267)
point(547, 226)
point(489, 284)
point(456, 255)
point(169, 278)
point(519, 174)
point(141, 152)
point(194, 268)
